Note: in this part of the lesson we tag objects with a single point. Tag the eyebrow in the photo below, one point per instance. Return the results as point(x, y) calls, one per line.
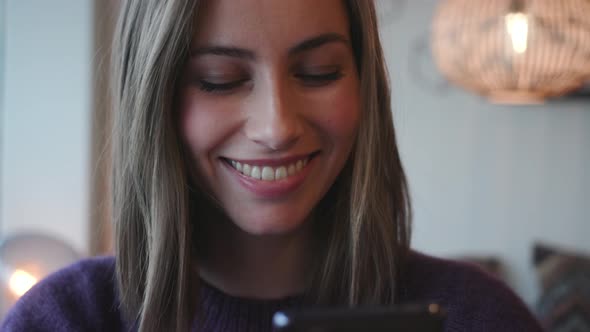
point(304, 46)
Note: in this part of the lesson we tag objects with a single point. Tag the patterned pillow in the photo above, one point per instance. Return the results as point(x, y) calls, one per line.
point(564, 304)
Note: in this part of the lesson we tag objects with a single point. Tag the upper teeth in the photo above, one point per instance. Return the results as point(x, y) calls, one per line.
point(269, 173)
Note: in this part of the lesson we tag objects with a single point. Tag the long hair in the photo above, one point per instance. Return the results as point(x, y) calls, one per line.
point(365, 217)
point(368, 209)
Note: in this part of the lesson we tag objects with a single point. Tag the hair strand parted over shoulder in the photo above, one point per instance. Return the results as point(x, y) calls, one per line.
point(152, 235)
point(365, 217)
point(372, 196)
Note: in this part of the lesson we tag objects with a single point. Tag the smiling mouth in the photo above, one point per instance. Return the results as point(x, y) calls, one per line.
point(268, 172)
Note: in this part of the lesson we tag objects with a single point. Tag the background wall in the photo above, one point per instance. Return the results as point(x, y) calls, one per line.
point(46, 118)
point(485, 179)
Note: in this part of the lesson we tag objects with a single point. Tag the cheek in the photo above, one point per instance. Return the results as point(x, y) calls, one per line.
point(340, 114)
point(346, 120)
point(200, 123)
point(201, 129)
point(188, 119)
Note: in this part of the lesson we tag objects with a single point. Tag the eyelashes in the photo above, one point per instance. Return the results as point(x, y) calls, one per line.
point(220, 87)
point(317, 80)
point(307, 80)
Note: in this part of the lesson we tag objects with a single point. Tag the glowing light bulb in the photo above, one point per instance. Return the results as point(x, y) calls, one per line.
point(20, 282)
point(517, 26)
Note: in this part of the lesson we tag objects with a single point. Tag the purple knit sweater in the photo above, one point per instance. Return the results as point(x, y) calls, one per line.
point(83, 297)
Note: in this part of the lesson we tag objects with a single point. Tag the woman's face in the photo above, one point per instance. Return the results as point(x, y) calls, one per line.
point(270, 106)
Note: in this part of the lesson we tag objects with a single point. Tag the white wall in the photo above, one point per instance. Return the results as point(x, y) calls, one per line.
point(486, 179)
point(46, 118)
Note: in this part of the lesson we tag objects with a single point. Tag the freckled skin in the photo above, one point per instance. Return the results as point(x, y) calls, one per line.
point(274, 113)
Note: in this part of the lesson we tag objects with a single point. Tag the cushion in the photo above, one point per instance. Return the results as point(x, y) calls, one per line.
point(564, 277)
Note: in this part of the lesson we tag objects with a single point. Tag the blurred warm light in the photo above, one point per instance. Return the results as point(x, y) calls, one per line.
point(20, 282)
point(517, 26)
point(513, 51)
point(25, 259)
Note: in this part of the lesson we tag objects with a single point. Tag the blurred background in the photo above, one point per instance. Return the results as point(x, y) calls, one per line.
point(54, 154)
point(498, 177)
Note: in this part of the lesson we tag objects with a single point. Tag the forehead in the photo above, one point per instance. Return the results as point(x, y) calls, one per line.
point(274, 24)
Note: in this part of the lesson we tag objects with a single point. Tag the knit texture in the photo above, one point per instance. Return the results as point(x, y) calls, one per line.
point(222, 312)
point(83, 297)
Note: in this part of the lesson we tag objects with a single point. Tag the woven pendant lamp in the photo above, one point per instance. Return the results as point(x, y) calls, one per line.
point(513, 51)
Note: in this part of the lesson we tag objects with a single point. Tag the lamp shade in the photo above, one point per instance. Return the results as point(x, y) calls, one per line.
point(26, 258)
point(513, 50)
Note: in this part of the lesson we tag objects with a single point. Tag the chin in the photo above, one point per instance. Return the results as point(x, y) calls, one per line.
point(261, 225)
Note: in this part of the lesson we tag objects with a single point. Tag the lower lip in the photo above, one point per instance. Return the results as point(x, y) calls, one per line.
point(272, 189)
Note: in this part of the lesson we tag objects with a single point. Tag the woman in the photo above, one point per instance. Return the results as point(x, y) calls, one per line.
point(255, 168)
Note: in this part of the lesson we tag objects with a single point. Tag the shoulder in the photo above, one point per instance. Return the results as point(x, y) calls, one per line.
point(80, 297)
point(473, 299)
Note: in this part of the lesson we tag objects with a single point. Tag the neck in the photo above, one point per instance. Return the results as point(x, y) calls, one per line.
point(256, 266)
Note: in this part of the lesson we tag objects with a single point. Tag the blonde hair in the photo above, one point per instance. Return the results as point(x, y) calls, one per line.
point(365, 216)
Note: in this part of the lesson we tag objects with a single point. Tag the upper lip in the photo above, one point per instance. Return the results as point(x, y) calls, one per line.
point(274, 161)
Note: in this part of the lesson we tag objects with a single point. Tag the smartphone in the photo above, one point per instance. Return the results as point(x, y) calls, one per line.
point(414, 318)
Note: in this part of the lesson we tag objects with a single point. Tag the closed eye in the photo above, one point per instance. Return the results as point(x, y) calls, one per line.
point(315, 80)
point(212, 87)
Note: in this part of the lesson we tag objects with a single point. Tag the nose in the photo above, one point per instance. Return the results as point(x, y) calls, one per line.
point(273, 119)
